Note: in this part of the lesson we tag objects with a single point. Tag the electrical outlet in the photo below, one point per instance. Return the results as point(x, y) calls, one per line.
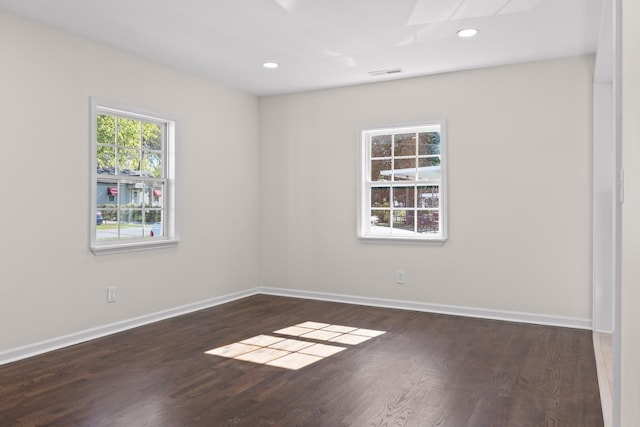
point(400, 278)
point(111, 294)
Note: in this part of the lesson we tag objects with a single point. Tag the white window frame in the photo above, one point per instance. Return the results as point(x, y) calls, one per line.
point(367, 231)
point(169, 235)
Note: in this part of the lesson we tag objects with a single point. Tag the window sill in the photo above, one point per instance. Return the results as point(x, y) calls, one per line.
point(402, 240)
point(132, 247)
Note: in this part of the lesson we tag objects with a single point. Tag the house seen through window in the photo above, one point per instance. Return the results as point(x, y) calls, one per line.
point(132, 175)
point(402, 183)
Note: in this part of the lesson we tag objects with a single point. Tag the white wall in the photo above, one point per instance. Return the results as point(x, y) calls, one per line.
point(604, 207)
point(630, 271)
point(50, 283)
point(520, 190)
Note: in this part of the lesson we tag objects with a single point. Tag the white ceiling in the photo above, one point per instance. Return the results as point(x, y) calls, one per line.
point(325, 43)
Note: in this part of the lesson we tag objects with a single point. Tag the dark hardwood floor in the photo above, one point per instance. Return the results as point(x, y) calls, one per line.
point(426, 370)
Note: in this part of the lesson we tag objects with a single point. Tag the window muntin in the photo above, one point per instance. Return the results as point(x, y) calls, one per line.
point(403, 183)
point(132, 173)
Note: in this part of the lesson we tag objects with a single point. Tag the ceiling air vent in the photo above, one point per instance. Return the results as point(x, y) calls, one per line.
point(385, 72)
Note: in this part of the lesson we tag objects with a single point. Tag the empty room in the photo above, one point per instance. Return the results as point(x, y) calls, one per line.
point(320, 213)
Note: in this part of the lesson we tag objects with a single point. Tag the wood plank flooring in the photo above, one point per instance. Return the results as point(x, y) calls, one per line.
point(426, 370)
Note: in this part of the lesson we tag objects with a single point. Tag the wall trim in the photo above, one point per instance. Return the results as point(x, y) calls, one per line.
point(19, 353)
point(605, 376)
point(509, 316)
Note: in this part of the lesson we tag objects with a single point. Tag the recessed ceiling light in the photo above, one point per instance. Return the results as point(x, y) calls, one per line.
point(270, 65)
point(467, 32)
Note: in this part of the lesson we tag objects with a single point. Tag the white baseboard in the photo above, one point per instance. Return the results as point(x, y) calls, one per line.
point(20, 353)
point(510, 316)
point(30, 350)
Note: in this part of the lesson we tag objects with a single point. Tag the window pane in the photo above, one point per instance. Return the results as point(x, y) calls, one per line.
point(107, 194)
point(108, 229)
point(429, 196)
point(152, 164)
point(404, 169)
point(133, 196)
point(403, 197)
point(106, 129)
point(157, 229)
point(106, 160)
point(110, 216)
point(153, 194)
point(403, 219)
point(428, 222)
point(128, 133)
point(129, 162)
point(156, 197)
point(131, 224)
point(153, 223)
point(429, 168)
point(381, 146)
point(152, 135)
point(428, 143)
point(380, 218)
point(380, 197)
point(152, 215)
point(404, 144)
point(381, 170)
point(429, 161)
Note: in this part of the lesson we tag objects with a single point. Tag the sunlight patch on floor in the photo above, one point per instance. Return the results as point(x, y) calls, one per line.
point(297, 353)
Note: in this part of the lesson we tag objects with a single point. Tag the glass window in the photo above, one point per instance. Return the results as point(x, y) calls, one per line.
point(133, 175)
point(402, 183)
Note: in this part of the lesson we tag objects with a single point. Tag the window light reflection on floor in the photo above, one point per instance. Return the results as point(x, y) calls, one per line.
point(290, 353)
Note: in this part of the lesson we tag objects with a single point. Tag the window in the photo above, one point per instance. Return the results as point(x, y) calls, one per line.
point(402, 184)
point(133, 182)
